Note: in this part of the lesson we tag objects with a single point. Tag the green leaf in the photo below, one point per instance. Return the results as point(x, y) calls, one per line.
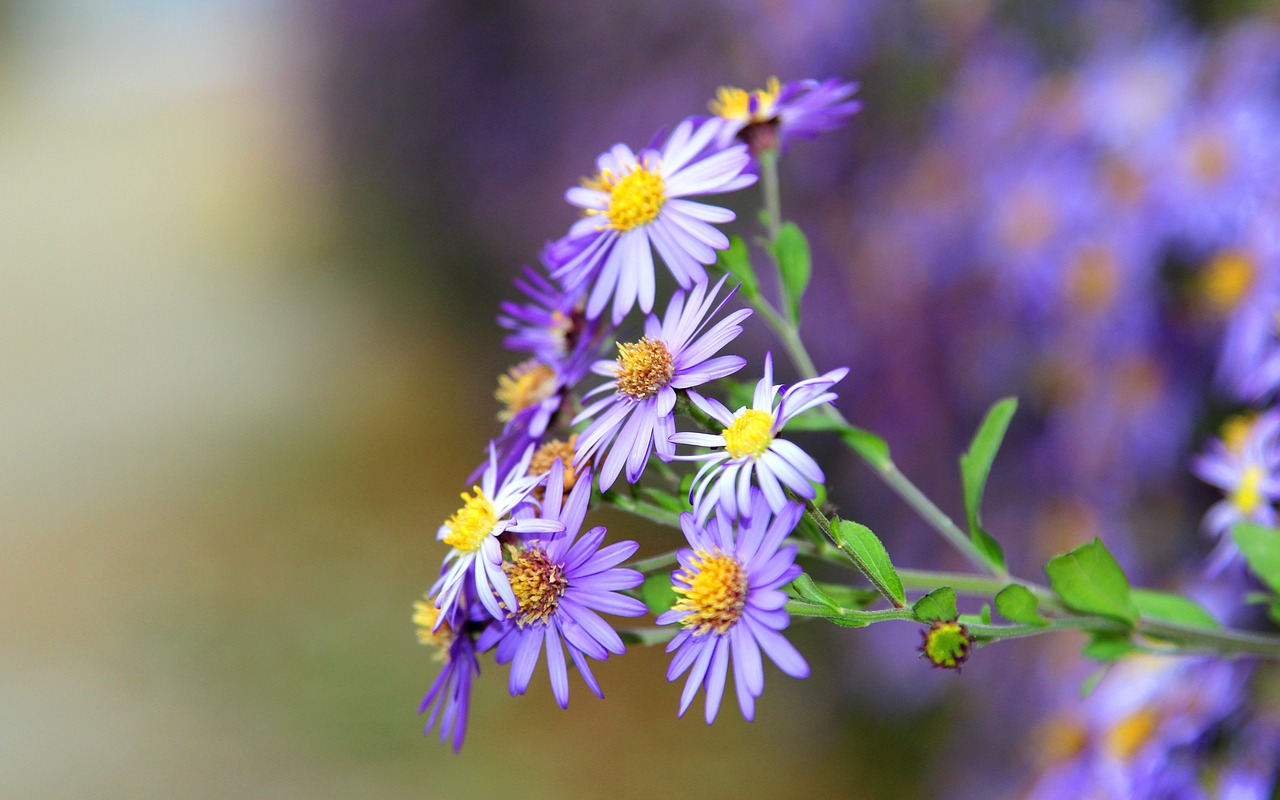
point(1108, 647)
point(940, 605)
point(1170, 607)
point(1016, 603)
point(975, 466)
point(1261, 548)
point(666, 500)
point(1090, 683)
point(806, 589)
point(1089, 580)
point(792, 253)
point(815, 419)
point(850, 596)
point(658, 593)
point(868, 549)
point(736, 260)
point(981, 618)
point(868, 445)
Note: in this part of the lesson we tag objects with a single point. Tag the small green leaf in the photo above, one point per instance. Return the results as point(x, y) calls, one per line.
point(792, 253)
point(975, 466)
point(815, 419)
point(985, 614)
point(1090, 683)
point(806, 589)
point(666, 500)
point(868, 549)
point(658, 593)
point(1108, 647)
point(868, 445)
point(1169, 607)
point(1261, 548)
point(736, 260)
point(1088, 579)
point(850, 596)
point(1016, 603)
point(940, 605)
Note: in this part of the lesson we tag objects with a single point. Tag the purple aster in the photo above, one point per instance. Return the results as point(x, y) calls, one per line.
point(547, 323)
point(1245, 465)
point(561, 584)
point(636, 200)
point(472, 534)
point(768, 118)
point(731, 605)
point(636, 415)
point(748, 445)
point(450, 694)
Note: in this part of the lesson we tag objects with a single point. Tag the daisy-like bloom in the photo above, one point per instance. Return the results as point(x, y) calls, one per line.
point(636, 415)
point(731, 605)
point(472, 534)
point(1245, 465)
point(549, 322)
point(561, 584)
point(450, 694)
point(749, 446)
point(637, 200)
point(767, 118)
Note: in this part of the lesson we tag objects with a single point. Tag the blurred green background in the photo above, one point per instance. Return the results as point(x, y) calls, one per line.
point(231, 423)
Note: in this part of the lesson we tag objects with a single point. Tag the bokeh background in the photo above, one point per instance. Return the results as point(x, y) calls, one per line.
point(251, 253)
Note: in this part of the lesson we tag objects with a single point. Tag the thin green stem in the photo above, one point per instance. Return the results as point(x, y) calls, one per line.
point(646, 510)
point(653, 563)
point(772, 194)
point(848, 616)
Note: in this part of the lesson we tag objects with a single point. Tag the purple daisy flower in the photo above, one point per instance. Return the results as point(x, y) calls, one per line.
point(731, 604)
point(450, 695)
point(1244, 464)
point(472, 534)
point(561, 584)
point(636, 417)
point(548, 323)
point(748, 446)
point(636, 200)
point(767, 118)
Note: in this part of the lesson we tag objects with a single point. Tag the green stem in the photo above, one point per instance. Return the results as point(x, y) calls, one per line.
point(850, 616)
point(646, 510)
point(772, 195)
point(653, 563)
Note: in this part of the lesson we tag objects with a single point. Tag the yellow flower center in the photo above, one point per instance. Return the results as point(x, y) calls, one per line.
point(547, 454)
point(524, 386)
point(471, 524)
point(538, 585)
point(733, 103)
point(1208, 157)
point(715, 595)
point(750, 433)
point(424, 617)
point(635, 198)
point(1247, 498)
point(1227, 280)
point(1129, 735)
point(1236, 430)
point(1092, 283)
point(644, 367)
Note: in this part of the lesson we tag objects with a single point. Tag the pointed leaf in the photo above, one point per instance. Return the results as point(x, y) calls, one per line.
point(1261, 548)
point(806, 589)
point(868, 550)
point(1088, 579)
point(736, 260)
point(975, 466)
point(1108, 647)
point(1016, 603)
point(792, 253)
point(940, 605)
point(868, 445)
point(1170, 607)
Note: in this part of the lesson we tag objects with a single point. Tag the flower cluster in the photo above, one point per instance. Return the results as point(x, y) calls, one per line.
point(521, 576)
